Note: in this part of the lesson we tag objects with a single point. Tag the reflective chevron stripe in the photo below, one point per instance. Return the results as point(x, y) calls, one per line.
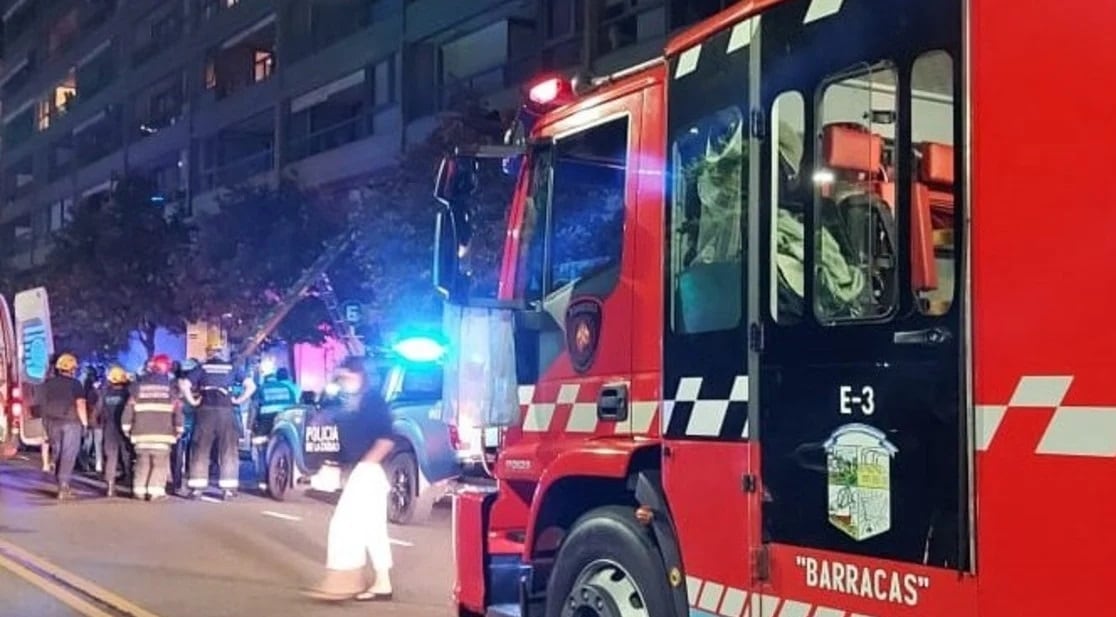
point(712, 599)
point(1071, 431)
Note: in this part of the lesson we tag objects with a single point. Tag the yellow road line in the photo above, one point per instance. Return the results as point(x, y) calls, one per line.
point(75, 581)
point(53, 589)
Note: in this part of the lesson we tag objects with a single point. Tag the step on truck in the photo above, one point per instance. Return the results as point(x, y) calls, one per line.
point(791, 323)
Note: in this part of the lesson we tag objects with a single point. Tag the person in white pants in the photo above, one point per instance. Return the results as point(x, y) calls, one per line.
point(358, 529)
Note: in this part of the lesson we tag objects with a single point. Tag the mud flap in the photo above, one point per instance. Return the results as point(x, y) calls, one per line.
point(649, 493)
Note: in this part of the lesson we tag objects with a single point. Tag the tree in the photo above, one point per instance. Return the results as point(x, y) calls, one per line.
point(114, 272)
point(260, 240)
point(253, 248)
point(391, 269)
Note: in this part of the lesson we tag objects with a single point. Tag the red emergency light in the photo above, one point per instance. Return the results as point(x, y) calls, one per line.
point(550, 92)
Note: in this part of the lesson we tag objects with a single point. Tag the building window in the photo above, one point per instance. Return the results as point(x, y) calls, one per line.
point(383, 82)
point(263, 64)
point(61, 212)
point(211, 74)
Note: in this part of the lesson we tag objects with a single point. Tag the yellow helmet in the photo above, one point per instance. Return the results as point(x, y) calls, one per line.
point(117, 375)
point(66, 363)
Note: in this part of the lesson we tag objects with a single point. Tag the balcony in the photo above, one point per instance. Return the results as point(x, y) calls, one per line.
point(329, 117)
point(18, 180)
point(158, 106)
point(156, 33)
point(96, 12)
point(246, 59)
point(98, 136)
point(239, 152)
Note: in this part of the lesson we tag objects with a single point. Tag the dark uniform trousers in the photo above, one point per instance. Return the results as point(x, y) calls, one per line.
point(215, 425)
point(118, 451)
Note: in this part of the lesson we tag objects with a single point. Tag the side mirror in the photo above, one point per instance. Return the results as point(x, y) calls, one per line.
point(457, 179)
point(449, 279)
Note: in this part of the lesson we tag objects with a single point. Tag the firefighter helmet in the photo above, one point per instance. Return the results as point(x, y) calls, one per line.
point(160, 364)
point(117, 375)
point(66, 363)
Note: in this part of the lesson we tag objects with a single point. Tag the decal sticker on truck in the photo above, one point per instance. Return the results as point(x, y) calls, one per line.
point(858, 460)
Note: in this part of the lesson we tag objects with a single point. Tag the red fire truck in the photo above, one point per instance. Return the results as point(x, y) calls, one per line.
point(782, 307)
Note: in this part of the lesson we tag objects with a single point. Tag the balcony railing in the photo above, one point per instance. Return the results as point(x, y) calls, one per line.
point(331, 137)
point(237, 171)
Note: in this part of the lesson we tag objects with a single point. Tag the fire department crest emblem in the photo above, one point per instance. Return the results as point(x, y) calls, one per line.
point(583, 327)
point(858, 459)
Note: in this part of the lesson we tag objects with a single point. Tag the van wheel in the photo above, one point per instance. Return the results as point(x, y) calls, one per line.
point(402, 474)
point(608, 566)
point(280, 470)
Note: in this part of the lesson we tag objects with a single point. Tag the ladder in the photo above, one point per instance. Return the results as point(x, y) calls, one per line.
point(301, 288)
point(341, 326)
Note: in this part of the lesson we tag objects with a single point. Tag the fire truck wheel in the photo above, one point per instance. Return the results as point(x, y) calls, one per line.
point(402, 473)
point(608, 566)
point(280, 467)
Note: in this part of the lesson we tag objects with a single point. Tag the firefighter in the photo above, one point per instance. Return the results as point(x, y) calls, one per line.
point(118, 450)
point(215, 421)
point(66, 418)
point(153, 420)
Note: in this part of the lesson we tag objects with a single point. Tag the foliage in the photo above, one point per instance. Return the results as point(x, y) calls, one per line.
point(114, 271)
point(253, 248)
point(391, 269)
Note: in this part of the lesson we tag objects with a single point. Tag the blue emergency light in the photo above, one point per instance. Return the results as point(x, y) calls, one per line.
point(419, 349)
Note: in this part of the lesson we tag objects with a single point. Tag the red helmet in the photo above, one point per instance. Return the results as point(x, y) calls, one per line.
point(160, 364)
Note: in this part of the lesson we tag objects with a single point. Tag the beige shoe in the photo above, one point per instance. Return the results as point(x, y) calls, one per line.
point(337, 585)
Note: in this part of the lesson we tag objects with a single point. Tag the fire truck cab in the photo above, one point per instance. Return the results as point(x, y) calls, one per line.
point(798, 329)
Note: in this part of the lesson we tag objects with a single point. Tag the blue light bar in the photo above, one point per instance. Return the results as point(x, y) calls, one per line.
point(419, 349)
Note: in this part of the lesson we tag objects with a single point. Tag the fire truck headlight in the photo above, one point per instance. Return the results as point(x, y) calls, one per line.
point(419, 349)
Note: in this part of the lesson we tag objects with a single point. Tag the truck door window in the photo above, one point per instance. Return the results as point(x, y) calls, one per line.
point(856, 266)
point(788, 233)
point(707, 209)
point(532, 232)
point(587, 206)
point(933, 185)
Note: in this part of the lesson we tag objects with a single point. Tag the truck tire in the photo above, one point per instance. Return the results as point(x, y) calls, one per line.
point(609, 566)
point(280, 470)
point(402, 473)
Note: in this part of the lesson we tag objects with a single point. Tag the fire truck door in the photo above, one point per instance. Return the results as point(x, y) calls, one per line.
point(857, 332)
point(706, 464)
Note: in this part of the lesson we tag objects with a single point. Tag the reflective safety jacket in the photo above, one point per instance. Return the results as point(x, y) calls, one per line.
point(153, 417)
point(275, 396)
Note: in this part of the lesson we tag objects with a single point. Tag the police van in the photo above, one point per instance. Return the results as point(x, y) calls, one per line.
point(421, 468)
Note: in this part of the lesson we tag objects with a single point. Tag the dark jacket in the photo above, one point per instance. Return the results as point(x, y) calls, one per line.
point(152, 417)
point(110, 407)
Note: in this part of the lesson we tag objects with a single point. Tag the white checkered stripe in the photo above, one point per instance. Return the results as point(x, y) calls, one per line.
point(689, 413)
point(701, 409)
point(724, 601)
point(1071, 431)
point(542, 416)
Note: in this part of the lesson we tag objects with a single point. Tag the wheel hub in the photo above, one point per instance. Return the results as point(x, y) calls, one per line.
point(605, 589)
point(591, 601)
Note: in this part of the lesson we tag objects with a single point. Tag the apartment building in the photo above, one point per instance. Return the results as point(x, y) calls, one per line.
point(202, 94)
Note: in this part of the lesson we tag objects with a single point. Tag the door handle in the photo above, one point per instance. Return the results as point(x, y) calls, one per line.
point(612, 403)
point(929, 336)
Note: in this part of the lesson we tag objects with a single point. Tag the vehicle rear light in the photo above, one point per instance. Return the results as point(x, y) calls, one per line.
point(17, 403)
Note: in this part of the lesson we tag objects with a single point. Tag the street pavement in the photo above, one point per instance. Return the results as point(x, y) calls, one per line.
point(103, 557)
